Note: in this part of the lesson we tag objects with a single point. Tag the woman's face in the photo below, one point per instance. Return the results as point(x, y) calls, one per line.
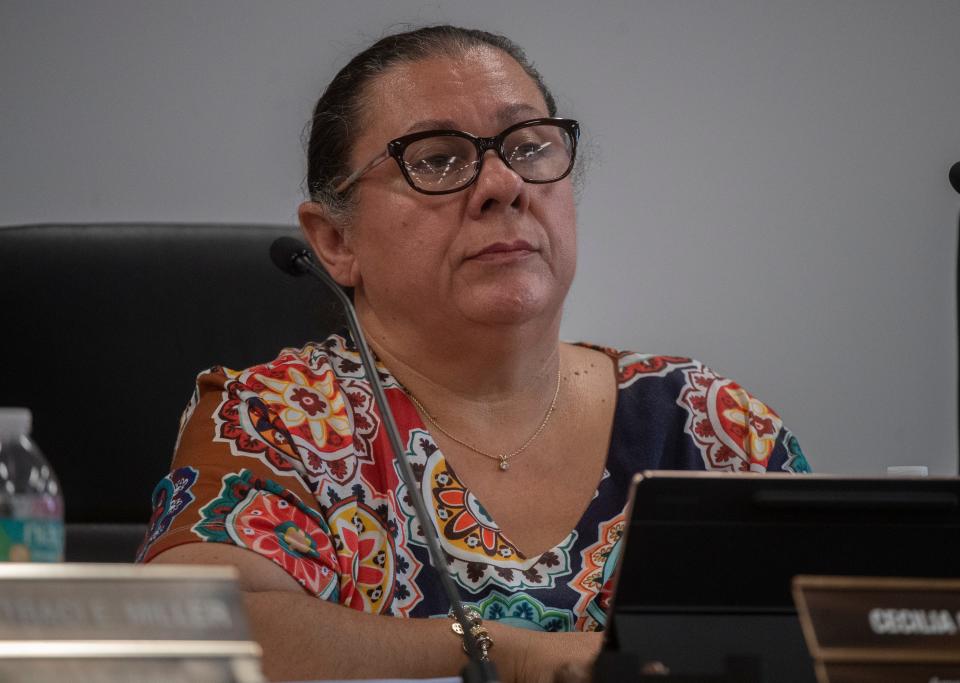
point(501, 251)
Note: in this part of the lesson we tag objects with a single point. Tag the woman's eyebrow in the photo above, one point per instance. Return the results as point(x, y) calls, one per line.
point(431, 124)
point(504, 116)
point(510, 113)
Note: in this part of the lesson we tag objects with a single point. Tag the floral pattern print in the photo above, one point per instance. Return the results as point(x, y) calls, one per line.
point(260, 515)
point(595, 580)
point(478, 554)
point(468, 528)
point(523, 611)
point(170, 497)
point(733, 430)
point(300, 418)
point(371, 578)
point(797, 461)
point(288, 460)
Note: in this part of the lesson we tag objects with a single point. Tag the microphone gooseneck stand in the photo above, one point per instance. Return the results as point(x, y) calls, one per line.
point(954, 176)
point(294, 257)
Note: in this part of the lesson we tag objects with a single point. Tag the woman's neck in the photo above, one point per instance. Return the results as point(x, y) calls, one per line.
point(473, 367)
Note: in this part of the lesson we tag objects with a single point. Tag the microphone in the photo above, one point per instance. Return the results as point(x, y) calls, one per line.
point(294, 258)
point(286, 253)
point(954, 176)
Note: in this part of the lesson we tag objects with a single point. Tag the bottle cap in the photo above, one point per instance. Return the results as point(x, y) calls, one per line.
point(907, 471)
point(15, 421)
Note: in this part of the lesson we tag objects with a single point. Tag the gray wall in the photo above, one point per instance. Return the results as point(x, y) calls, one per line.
point(768, 188)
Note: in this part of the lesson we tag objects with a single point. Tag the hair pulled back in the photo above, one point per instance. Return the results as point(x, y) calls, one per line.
point(339, 111)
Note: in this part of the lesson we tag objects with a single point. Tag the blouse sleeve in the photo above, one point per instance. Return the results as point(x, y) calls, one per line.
point(236, 479)
point(732, 430)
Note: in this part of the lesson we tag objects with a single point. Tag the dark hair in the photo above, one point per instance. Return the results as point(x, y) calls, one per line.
point(339, 110)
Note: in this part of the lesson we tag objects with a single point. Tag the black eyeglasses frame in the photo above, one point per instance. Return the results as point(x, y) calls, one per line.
point(397, 147)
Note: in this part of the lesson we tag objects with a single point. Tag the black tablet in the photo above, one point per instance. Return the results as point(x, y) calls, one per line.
point(705, 573)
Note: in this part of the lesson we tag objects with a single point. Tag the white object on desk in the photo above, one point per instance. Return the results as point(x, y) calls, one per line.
point(907, 471)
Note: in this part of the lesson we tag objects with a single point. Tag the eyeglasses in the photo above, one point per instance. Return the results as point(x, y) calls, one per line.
point(445, 161)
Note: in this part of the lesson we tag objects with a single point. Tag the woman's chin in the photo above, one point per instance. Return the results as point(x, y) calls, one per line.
point(511, 306)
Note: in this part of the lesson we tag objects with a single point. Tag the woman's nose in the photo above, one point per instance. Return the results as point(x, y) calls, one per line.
point(497, 186)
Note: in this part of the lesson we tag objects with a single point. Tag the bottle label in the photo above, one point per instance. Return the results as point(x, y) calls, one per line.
point(31, 540)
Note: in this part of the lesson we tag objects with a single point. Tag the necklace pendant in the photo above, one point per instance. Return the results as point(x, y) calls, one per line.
point(504, 465)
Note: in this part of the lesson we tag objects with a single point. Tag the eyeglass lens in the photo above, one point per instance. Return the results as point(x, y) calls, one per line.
point(540, 153)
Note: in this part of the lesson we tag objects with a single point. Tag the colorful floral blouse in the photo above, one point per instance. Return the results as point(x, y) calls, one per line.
point(290, 460)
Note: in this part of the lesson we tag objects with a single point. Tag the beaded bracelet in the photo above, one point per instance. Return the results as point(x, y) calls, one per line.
point(479, 633)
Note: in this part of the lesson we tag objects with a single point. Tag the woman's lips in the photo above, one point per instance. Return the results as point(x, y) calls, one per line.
point(504, 251)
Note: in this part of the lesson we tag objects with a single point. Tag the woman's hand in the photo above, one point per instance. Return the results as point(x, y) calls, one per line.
point(551, 657)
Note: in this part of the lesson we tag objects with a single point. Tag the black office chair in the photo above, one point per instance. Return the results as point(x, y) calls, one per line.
point(105, 328)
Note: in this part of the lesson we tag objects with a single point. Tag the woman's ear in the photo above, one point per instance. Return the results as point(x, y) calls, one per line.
point(329, 243)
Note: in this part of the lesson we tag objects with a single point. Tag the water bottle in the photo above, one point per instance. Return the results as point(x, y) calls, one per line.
point(31, 506)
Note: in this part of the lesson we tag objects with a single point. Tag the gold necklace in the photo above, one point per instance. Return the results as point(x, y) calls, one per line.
point(502, 458)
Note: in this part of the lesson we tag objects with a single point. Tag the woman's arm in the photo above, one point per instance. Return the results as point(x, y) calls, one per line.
point(307, 638)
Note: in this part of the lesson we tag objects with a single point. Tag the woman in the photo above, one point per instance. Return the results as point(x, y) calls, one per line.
point(460, 253)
